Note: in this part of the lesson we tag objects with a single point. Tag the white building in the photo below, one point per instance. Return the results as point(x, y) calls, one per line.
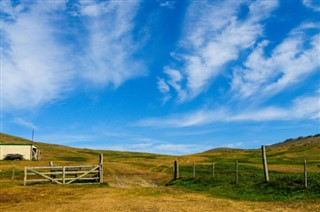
point(28, 151)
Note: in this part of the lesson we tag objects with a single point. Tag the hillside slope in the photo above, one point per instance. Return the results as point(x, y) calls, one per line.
point(300, 141)
point(52, 152)
point(145, 174)
point(122, 169)
point(284, 156)
point(289, 151)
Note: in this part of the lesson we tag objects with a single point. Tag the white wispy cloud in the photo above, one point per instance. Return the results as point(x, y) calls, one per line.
point(213, 37)
point(174, 79)
point(168, 4)
point(25, 123)
point(163, 86)
point(43, 59)
point(194, 118)
point(160, 148)
point(35, 68)
point(234, 145)
point(313, 4)
point(136, 143)
point(307, 106)
point(164, 89)
point(63, 138)
point(301, 108)
point(109, 52)
point(289, 63)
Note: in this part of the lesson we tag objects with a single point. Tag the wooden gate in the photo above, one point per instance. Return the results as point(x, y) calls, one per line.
point(65, 174)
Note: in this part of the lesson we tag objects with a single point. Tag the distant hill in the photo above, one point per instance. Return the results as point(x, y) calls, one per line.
point(223, 149)
point(300, 141)
point(291, 142)
point(301, 147)
point(291, 152)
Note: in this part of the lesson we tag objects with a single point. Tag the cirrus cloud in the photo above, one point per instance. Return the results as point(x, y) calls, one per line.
point(289, 63)
point(313, 4)
point(213, 37)
point(302, 108)
point(44, 59)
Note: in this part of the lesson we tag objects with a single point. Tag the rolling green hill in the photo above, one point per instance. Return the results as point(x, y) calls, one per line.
point(290, 151)
point(118, 166)
point(53, 152)
point(285, 164)
point(134, 169)
point(300, 141)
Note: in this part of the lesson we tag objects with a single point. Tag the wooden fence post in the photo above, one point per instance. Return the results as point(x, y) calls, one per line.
point(25, 176)
point(51, 170)
point(12, 178)
point(305, 174)
point(101, 168)
point(213, 170)
point(63, 175)
point(237, 172)
point(175, 170)
point(194, 171)
point(265, 164)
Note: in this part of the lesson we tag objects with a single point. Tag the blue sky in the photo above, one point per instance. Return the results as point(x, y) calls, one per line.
point(171, 77)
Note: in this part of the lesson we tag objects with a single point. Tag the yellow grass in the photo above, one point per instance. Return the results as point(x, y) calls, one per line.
point(102, 198)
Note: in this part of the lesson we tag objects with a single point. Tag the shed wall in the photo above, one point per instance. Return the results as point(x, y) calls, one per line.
point(24, 150)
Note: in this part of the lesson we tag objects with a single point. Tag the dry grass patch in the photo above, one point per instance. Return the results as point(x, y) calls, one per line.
point(102, 198)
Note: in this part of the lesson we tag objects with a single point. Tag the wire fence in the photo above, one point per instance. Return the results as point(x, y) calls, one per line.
point(237, 173)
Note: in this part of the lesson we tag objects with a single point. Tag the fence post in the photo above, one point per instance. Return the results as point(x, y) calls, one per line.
point(194, 171)
point(12, 178)
point(305, 174)
point(101, 168)
point(213, 170)
point(51, 170)
point(25, 176)
point(265, 165)
point(175, 170)
point(237, 172)
point(63, 175)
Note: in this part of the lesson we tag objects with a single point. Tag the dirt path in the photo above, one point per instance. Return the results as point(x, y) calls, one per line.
point(122, 175)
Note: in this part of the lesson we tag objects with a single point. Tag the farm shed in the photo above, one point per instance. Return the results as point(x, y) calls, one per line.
point(28, 151)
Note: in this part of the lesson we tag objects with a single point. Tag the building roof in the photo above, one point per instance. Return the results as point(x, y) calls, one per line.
point(16, 144)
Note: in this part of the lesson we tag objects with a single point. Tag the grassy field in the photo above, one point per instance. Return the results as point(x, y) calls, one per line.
point(283, 186)
point(142, 181)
